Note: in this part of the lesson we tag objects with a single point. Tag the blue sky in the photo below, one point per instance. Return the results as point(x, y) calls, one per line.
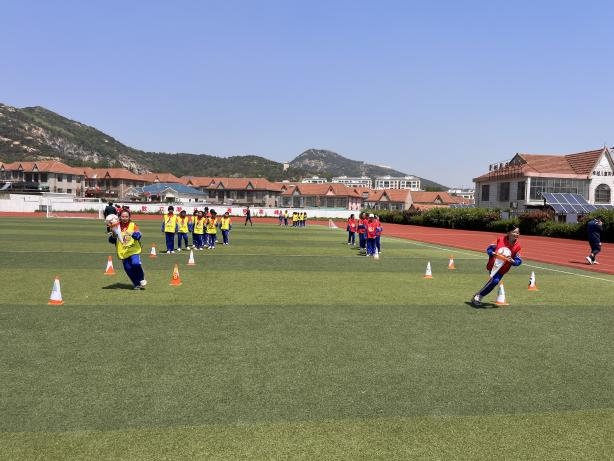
point(437, 89)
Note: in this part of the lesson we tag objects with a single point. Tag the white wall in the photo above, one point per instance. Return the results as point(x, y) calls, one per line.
point(30, 203)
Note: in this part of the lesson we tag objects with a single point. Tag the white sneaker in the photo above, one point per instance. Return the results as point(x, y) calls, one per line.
point(589, 260)
point(178, 249)
point(143, 283)
point(596, 262)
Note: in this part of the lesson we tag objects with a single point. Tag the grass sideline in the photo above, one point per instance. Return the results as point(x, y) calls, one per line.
point(287, 344)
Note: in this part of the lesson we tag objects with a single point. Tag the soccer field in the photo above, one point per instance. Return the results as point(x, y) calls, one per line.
point(286, 344)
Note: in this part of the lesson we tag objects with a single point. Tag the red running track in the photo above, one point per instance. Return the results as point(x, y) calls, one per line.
point(561, 252)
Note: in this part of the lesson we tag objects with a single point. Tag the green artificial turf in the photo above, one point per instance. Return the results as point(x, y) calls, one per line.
point(288, 344)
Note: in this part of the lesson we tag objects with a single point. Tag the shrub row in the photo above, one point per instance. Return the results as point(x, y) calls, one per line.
point(534, 222)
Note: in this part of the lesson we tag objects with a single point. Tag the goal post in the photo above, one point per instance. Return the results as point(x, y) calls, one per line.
point(73, 207)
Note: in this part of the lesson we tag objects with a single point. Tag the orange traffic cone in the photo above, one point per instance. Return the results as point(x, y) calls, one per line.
point(428, 274)
point(191, 261)
point(451, 263)
point(501, 301)
point(532, 284)
point(56, 294)
point(109, 270)
point(152, 253)
point(175, 280)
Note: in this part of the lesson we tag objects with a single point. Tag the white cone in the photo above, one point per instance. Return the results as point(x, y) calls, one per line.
point(56, 293)
point(501, 301)
point(532, 284)
point(428, 274)
point(332, 225)
point(191, 261)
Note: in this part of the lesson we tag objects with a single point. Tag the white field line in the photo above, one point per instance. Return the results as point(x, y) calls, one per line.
point(558, 271)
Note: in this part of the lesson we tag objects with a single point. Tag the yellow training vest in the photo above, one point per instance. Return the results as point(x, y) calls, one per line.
point(131, 247)
point(225, 223)
point(170, 223)
point(183, 224)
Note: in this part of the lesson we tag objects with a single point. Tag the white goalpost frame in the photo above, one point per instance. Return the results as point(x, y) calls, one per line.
point(62, 207)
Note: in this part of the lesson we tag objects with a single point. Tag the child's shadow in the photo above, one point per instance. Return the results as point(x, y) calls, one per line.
point(483, 306)
point(119, 286)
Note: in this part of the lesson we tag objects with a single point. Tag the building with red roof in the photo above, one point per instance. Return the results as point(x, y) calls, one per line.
point(520, 182)
point(110, 182)
point(51, 175)
point(328, 195)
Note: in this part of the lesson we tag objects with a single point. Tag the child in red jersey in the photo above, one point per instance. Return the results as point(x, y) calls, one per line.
point(502, 255)
point(351, 227)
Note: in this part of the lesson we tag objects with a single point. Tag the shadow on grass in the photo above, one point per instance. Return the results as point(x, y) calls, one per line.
point(483, 306)
point(119, 286)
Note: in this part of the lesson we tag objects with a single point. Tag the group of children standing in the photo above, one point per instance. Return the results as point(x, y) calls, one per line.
point(299, 218)
point(202, 224)
point(369, 229)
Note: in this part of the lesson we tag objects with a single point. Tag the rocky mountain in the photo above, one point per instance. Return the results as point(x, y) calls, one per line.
point(35, 133)
point(328, 164)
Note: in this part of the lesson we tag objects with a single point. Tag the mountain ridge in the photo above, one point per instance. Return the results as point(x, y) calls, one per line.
point(37, 133)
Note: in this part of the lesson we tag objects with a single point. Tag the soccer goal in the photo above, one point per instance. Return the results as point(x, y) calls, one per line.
point(72, 207)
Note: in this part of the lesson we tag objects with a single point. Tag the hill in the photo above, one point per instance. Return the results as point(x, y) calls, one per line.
point(328, 164)
point(36, 133)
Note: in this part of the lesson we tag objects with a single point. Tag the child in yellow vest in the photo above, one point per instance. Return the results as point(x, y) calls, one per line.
point(128, 248)
point(226, 226)
point(199, 230)
point(211, 230)
point(182, 230)
point(169, 227)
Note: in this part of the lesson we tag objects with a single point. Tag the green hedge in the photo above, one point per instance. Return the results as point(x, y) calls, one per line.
point(534, 222)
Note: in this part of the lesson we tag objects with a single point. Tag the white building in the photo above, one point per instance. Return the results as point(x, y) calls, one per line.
point(520, 182)
point(363, 181)
point(313, 180)
point(464, 192)
point(404, 182)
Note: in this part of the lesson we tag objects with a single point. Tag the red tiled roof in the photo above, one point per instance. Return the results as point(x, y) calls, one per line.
point(579, 165)
point(397, 195)
point(197, 181)
point(161, 177)
point(112, 173)
point(244, 184)
point(48, 166)
point(430, 197)
point(322, 189)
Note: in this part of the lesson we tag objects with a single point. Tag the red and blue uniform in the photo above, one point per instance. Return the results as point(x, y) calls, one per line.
point(492, 250)
point(351, 227)
point(371, 232)
point(129, 251)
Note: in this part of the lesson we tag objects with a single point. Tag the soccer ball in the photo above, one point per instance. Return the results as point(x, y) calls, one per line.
point(111, 220)
point(504, 251)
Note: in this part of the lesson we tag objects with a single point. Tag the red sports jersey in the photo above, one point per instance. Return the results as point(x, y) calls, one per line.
point(504, 242)
point(352, 224)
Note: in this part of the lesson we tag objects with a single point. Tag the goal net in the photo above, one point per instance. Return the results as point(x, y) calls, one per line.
point(73, 207)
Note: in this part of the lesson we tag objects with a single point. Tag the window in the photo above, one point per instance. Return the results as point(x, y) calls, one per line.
point(555, 185)
point(69, 191)
point(602, 193)
point(69, 177)
point(43, 177)
point(503, 191)
point(59, 177)
point(485, 193)
point(520, 191)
